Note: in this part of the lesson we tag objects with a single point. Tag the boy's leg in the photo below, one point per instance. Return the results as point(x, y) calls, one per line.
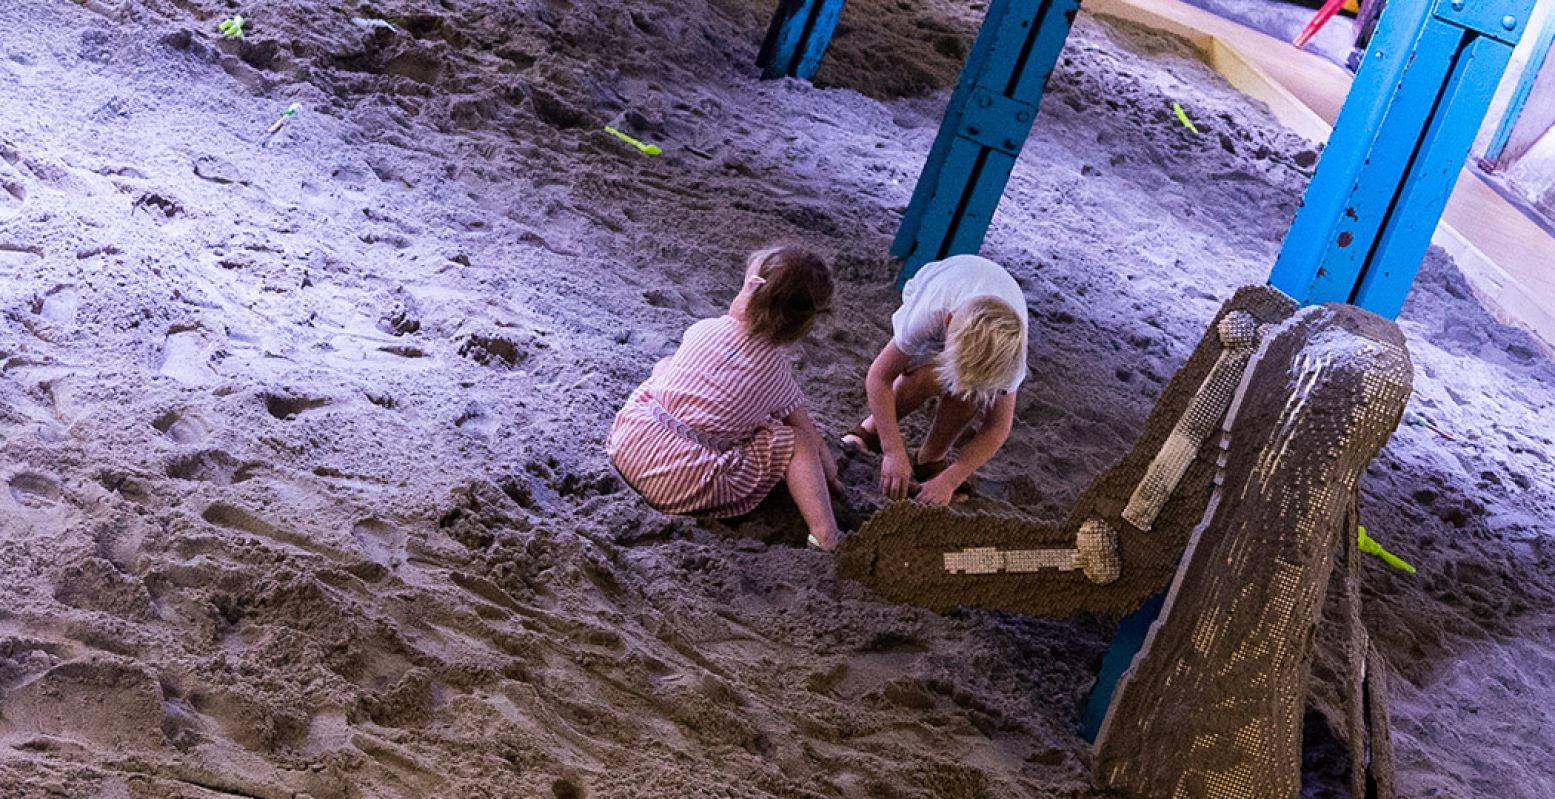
point(912, 388)
point(950, 420)
point(807, 484)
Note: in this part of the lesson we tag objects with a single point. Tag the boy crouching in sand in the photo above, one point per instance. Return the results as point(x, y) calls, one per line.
point(960, 335)
point(722, 421)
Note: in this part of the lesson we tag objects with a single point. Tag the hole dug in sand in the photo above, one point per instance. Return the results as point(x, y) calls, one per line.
point(210, 466)
point(284, 407)
point(501, 352)
point(181, 427)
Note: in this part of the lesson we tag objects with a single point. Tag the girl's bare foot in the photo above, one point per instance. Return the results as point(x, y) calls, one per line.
point(827, 542)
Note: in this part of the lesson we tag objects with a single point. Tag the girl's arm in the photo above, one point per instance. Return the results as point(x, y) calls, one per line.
point(990, 437)
point(895, 466)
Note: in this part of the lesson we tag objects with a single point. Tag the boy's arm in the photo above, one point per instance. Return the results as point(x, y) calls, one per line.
point(895, 466)
point(990, 437)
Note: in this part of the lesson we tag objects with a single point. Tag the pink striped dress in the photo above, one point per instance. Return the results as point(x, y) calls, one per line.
point(704, 436)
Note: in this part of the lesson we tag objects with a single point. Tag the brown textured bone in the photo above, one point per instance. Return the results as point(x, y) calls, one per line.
point(902, 552)
point(1212, 706)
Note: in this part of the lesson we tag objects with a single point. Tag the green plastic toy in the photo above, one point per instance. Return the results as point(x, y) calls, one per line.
point(1182, 116)
point(1371, 547)
point(645, 149)
point(232, 27)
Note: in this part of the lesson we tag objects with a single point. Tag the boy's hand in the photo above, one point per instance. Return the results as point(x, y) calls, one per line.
point(895, 476)
point(938, 491)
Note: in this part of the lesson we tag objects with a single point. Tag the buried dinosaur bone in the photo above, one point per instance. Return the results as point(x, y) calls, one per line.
point(1239, 336)
point(1095, 553)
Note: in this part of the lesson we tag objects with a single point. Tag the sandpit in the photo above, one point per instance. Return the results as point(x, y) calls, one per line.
point(302, 434)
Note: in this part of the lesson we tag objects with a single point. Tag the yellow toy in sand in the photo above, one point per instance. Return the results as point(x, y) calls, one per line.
point(232, 27)
point(1371, 547)
point(645, 149)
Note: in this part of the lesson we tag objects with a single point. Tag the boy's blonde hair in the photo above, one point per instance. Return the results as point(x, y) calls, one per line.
point(984, 350)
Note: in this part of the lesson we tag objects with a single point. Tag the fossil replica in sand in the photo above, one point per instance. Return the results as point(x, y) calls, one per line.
point(1237, 498)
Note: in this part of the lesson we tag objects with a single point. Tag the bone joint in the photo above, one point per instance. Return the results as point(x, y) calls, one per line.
point(1239, 335)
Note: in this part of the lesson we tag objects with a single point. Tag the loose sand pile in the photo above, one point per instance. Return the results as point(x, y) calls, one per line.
point(302, 439)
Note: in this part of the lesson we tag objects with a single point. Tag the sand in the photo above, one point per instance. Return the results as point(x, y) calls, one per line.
point(302, 437)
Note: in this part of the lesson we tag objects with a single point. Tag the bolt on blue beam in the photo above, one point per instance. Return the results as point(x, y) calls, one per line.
point(1514, 106)
point(1396, 150)
point(986, 123)
point(797, 38)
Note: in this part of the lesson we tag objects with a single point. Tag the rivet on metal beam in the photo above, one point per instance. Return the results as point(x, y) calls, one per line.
point(1509, 22)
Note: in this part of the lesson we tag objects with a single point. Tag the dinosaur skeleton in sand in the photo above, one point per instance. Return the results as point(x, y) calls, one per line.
point(1095, 551)
point(1237, 501)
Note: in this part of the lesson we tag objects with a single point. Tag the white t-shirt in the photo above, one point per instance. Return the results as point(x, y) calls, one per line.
point(939, 288)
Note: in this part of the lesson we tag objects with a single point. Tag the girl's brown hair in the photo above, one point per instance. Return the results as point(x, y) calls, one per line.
point(797, 288)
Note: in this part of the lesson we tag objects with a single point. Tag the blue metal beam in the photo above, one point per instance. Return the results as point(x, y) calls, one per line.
point(1514, 106)
point(798, 37)
point(1396, 150)
point(985, 126)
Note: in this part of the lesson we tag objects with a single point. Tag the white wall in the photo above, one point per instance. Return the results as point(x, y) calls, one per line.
point(1528, 160)
point(1539, 114)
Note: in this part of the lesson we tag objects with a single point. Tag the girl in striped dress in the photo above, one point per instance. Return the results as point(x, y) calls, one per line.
point(722, 421)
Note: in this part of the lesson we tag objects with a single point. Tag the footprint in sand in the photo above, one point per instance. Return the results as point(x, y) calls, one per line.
point(381, 542)
point(185, 358)
point(18, 256)
point(474, 421)
point(235, 518)
point(31, 490)
point(182, 427)
point(63, 401)
point(13, 187)
point(404, 351)
point(105, 701)
point(59, 304)
point(13, 195)
point(210, 466)
point(217, 170)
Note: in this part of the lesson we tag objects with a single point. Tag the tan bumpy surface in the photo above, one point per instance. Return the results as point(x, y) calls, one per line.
point(941, 559)
point(1212, 706)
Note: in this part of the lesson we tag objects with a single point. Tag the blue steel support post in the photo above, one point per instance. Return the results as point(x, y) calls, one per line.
point(986, 123)
point(797, 38)
point(1396, 150)
point(1514, 106)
